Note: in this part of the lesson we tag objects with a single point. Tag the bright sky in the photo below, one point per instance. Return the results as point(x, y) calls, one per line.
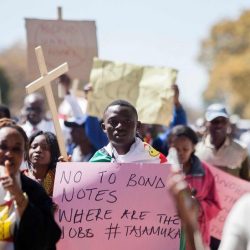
point(149, 32)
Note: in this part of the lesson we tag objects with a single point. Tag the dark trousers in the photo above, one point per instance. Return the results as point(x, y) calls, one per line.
point(214, 243)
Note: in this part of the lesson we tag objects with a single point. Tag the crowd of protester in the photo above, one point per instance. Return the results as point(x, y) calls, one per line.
point(29, 152)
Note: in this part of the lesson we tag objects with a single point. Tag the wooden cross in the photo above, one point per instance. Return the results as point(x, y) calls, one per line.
point(44, 81)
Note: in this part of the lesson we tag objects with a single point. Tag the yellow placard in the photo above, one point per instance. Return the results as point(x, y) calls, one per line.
point(147, 88)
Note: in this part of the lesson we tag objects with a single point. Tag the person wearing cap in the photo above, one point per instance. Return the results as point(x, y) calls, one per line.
point(83, 148)
point(218, 148)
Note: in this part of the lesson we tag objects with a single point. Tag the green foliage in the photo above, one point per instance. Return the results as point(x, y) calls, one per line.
point(13, 61)
point(226, 56)
point(4, 87)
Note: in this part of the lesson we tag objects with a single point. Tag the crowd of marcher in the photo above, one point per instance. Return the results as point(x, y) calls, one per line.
point(29, 153)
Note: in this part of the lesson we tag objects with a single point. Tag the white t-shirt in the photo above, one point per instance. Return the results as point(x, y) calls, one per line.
point(43, 125)
point(236, 232)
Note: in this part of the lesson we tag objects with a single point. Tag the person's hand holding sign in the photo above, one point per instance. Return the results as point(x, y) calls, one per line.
point(10, 184)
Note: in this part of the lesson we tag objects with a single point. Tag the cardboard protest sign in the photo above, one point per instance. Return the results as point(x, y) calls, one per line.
point(230, 189)
point(71, 41)
point(115, 206)
point(147, 88)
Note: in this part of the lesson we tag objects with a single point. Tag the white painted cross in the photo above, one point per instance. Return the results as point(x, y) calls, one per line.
point(44, 81)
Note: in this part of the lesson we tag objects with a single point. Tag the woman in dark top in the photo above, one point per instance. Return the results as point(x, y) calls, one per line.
point(27, 221)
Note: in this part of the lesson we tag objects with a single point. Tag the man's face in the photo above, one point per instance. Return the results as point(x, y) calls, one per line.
point(218, 127)
point(120, 125)
point(35, 111)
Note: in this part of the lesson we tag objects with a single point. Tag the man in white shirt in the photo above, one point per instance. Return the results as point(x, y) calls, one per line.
point(34, 112)
point(218, 148)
